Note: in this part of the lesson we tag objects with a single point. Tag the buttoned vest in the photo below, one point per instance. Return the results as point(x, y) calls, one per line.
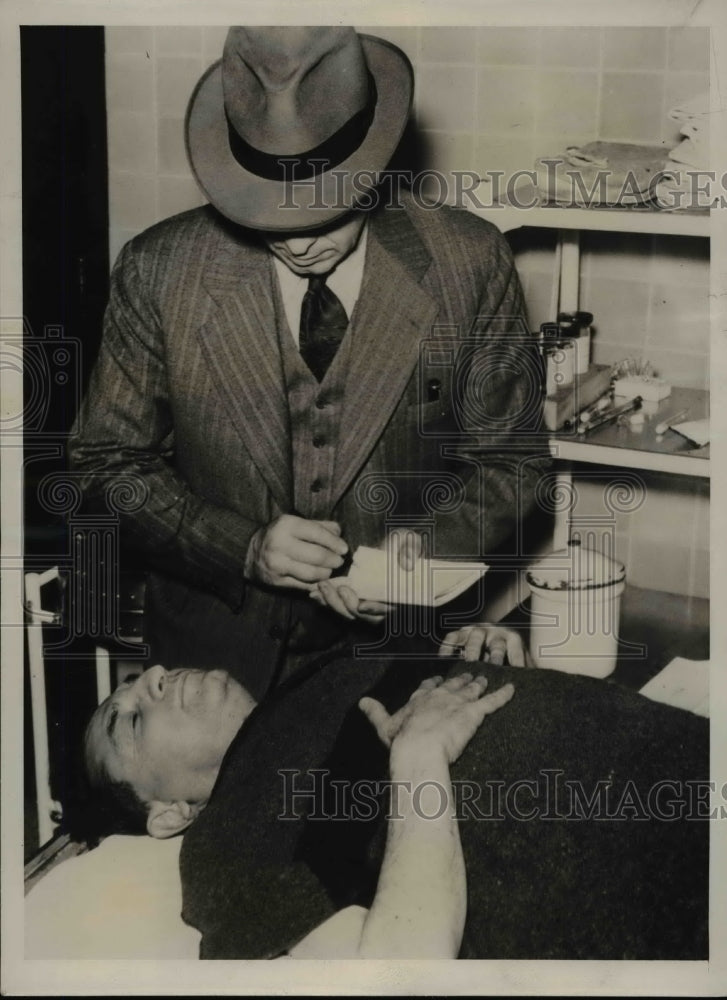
point(314, 409)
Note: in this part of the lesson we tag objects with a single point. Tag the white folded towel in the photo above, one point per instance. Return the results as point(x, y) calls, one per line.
point(693, 116)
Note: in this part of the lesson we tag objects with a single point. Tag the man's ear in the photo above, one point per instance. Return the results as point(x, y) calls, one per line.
point(167, 819)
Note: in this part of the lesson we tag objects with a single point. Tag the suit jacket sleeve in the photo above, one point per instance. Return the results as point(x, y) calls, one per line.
point(123, 447)
point(498, 406)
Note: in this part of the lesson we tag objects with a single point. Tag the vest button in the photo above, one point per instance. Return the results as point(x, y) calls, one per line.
point(276, 632)
point(319, 440)
point(316, 486)
point(321, 403)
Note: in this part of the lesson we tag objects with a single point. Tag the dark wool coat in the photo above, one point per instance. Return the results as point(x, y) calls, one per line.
point(583, 825)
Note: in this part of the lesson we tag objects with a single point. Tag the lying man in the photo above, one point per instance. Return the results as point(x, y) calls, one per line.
point(580, 810)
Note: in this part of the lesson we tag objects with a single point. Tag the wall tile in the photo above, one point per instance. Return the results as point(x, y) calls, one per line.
point(213, 42)
point(508, 154)
point(616, 255)
point(681, 260)
point(407, 39)
point(593, 488)
point(123, 39)
point(606, 352)
point(623, 547)
point(177, 194)
point(132, 141)
point(669, 508)
point(680, 87)
point(178, 41)
point(679, 368)
point(570, 47)
point(172, 151)
point(445, 95)
point(451, 45)
point(538, 298)
point(631, 107)
point(567, 103)
point(129, 81)
point(132, 199)
point(688, 48)
point(508, 46)
point(177, 77)
point(680, 317)
point(634, 48)
point(506, 100)
point(619, 309)
point(658, 565)
point(449, 151)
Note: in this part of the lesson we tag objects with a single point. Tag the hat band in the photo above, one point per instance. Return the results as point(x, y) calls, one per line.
point(299, 166)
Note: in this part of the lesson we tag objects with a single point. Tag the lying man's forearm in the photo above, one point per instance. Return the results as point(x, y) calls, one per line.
point(420, 904)
point(421, 900)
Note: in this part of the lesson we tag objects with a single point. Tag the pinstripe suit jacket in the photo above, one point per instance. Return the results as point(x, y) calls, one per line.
point(437, 419)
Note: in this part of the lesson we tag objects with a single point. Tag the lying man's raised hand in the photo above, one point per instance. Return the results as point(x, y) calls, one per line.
point(444, 714)
point(295, 552)
point(487, 643)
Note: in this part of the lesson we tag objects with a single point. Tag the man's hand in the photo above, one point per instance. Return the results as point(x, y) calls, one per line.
point(488, 643)
point(295, 552)
point(439, 714)
point(403, 545)
point(345, 601)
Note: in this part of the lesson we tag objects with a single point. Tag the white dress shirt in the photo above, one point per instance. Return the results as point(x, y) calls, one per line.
point(345, 280)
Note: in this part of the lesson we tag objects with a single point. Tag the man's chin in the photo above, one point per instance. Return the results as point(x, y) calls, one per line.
point(316, 268)
point(234, 694)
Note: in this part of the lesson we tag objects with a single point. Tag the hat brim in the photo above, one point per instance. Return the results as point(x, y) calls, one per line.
point(279, 206)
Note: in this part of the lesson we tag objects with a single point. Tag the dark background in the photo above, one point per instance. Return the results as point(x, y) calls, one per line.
point(65, 287)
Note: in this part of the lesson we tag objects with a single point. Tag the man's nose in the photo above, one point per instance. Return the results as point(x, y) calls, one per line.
point(300, 245)
point(153, 682)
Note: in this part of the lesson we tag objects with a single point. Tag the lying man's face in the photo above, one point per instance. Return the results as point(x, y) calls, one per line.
point(317, 252)
point(165, 733)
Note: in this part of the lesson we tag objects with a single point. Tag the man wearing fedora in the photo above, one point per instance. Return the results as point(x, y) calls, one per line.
point(302, 366)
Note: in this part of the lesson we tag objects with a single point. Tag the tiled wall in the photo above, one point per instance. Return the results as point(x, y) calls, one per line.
point(494, 99)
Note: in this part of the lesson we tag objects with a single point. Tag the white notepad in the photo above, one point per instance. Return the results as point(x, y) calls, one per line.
point(695, 430)
point(683, 683)
point(431, 582)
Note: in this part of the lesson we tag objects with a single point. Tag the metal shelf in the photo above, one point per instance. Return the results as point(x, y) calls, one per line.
point(528, 212)
point(643, 449)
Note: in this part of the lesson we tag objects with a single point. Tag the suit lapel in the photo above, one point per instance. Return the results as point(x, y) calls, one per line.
point(393, 314)
point(239, 341)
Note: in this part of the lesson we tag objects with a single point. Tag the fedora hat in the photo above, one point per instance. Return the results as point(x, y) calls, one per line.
point(290, 128)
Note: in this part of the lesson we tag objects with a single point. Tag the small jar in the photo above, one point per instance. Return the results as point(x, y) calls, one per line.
point(582, 349)
point(577, 326)
point(559, 367)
